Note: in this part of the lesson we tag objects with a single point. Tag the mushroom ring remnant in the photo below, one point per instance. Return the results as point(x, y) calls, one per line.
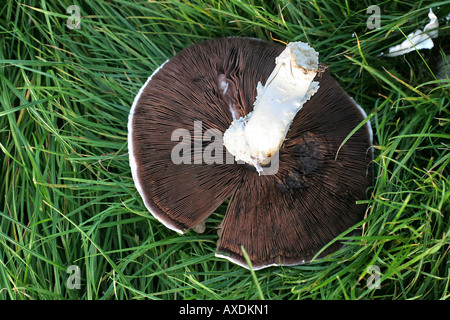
point(210, 95)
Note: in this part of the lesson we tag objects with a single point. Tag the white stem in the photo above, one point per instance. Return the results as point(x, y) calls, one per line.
point(257, 137)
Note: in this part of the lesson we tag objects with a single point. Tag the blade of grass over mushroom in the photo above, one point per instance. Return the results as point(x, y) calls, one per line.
point(359, 126)
point(255, 279)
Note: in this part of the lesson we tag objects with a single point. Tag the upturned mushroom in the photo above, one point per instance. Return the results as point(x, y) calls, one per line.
point(260, 124)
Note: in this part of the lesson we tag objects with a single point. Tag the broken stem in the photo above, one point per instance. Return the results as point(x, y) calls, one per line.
point(257, 137)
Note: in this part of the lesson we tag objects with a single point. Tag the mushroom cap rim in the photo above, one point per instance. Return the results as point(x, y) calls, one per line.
point(132, 160)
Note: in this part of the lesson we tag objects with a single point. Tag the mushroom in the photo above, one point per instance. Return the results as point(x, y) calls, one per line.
point(418, 39)
point(260, 124)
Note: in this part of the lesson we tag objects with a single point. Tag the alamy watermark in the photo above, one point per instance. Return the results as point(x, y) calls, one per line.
point(374, 280)
point(374, 20)
point(189, 149)
point(74, 21)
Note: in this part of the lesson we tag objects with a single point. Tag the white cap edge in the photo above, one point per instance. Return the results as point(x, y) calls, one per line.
point(132, 160)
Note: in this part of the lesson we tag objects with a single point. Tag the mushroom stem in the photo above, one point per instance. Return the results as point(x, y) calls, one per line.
point(257, 137)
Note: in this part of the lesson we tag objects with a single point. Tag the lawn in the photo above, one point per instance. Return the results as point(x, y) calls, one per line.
point(68, 204)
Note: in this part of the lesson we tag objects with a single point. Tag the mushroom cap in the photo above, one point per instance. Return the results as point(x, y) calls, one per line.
point(285, 218)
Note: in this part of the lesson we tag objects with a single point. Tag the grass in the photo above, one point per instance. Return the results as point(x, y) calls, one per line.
point(67, 196)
